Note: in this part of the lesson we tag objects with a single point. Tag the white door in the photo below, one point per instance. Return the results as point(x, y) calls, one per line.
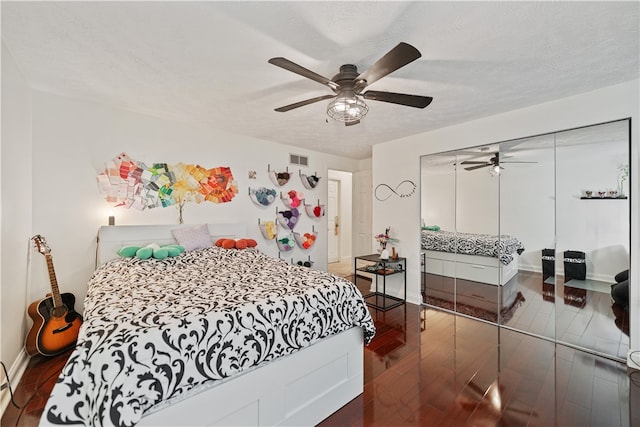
point(362, 213)
point(333, 220)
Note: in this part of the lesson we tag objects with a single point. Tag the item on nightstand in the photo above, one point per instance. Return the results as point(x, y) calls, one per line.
point(383, 239)
point(394, 254)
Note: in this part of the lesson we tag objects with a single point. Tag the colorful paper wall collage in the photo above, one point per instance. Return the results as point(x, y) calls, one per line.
point(132, 184)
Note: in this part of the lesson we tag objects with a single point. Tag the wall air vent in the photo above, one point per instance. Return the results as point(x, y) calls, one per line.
point(297, 159)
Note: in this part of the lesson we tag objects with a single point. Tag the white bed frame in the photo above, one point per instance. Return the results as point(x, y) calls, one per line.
point(472, 268)
point(476, 268)
point(303, 388)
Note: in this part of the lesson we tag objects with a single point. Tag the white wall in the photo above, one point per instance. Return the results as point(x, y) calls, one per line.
point(600, 228)
point(73, 139)
point(400, 159)
point(16, 182)
point(527, 206)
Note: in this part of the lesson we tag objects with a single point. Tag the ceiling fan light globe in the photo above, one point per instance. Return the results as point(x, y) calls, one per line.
point(347, 109)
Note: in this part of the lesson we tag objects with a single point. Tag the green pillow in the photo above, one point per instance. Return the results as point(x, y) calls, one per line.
point(150, 251)
point(128, 251)
point(173, 250)
point(145, 253)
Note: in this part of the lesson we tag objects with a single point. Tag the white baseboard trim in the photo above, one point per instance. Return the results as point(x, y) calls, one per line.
point(15, 373)
point(598, 277)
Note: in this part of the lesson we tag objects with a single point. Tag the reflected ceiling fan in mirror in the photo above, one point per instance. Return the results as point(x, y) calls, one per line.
point(348, 106)
point(494, 162)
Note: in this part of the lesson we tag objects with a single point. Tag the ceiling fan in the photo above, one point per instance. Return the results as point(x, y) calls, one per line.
point(348, 85)
point(496, 161)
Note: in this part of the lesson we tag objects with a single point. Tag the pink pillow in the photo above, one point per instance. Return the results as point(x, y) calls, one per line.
point(192, 238)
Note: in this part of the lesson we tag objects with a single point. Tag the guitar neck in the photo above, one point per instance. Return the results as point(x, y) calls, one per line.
point(55, 292)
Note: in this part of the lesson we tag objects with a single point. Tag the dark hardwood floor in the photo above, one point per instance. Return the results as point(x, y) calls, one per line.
point(430, 368)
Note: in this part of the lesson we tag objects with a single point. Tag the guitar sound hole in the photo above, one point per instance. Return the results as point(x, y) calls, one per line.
point(58, 312)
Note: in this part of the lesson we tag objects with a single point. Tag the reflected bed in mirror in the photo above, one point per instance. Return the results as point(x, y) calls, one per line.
point(533, 188)
point(480, 263)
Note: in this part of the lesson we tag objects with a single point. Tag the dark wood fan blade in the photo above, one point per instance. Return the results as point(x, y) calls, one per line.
point(298, 69)
point(469, 162)
point(470, 168)
point(303, 103)
point(416, 101)
point(396, 58)
point(355, 122)
point(514, 161)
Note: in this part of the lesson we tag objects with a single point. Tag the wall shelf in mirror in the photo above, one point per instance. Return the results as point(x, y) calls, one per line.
point(604, 198)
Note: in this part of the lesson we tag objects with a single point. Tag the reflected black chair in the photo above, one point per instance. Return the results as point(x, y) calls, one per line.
point(620, 289)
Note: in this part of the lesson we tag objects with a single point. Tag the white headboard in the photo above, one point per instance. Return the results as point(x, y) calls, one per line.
point(112, 238)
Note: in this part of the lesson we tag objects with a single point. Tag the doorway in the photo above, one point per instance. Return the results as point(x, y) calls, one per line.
point(339, 222)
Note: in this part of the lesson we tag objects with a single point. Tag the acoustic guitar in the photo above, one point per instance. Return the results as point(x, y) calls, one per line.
point(55, 322)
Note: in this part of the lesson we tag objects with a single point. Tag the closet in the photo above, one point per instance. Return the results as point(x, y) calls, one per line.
point(529, 234)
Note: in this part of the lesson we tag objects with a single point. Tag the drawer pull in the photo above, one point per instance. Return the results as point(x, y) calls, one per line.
point(478, 266)
point(477, 296)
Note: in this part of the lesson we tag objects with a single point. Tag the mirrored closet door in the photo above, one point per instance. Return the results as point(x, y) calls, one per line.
point(531, 234)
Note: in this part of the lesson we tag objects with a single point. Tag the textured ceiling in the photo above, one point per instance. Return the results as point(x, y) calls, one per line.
point(206, 62)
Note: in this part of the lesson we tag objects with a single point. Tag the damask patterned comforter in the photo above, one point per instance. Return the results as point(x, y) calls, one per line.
point(156, 331)
point(502, 247)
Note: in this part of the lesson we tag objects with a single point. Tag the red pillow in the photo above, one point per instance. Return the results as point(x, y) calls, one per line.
point(228, 244)
point(237, 244)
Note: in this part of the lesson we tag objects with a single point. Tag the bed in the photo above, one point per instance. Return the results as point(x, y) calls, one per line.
point(479, 263)
point(480, 258)
point(210, 337)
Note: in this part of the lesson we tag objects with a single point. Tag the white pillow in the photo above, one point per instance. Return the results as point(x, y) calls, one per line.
point(192, 238)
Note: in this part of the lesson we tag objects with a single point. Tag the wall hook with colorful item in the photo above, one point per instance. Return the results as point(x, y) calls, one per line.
point(278, 178)
point(262, 196)
point(316, 211)
point(269, 229)
point(288, 219)
point(285, 243)
point(306, 240)
point(132, 184)
point(292, 199)
point(309, 181)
